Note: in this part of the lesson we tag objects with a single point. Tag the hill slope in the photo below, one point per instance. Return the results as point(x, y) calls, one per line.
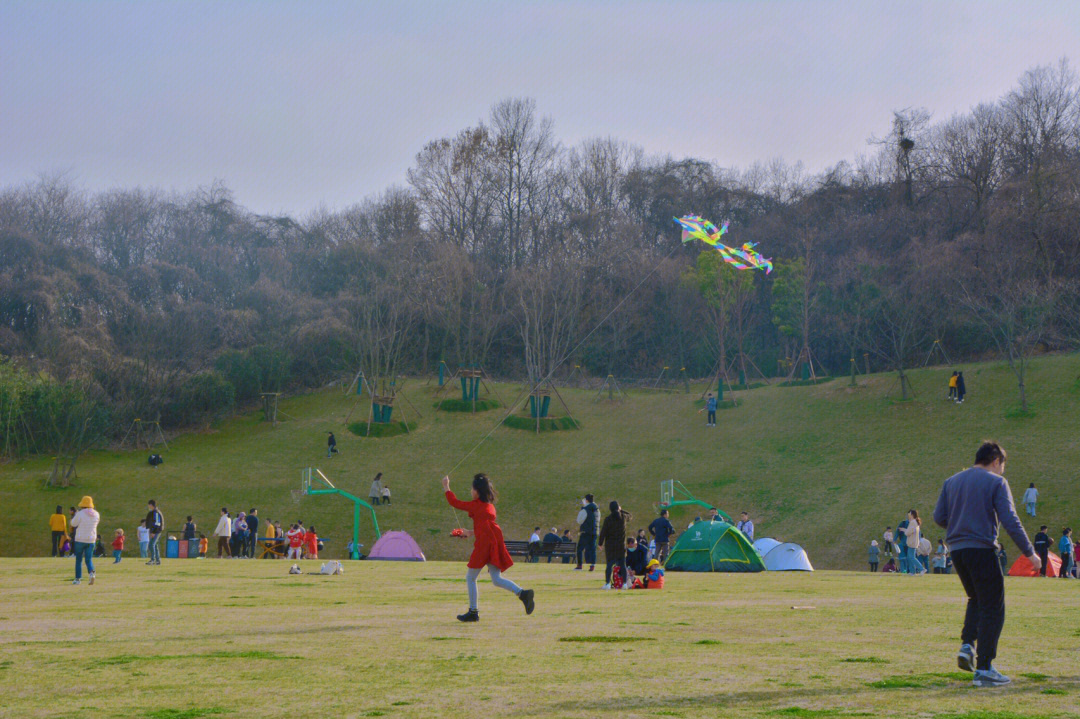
point(826, 466)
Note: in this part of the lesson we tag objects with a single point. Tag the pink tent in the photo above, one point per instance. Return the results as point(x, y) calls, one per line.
point(397, 546)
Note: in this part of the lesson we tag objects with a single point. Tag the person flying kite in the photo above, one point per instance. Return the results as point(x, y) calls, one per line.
point(741, 258)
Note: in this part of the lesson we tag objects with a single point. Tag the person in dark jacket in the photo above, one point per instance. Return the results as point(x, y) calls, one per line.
point(331, 444)
point(551, 541)
point(970, 507)
point(613, 537)
point(586, 544)
point(155, 522)
point(253, 531)
point(661, 529)
point(961, 389)
point(1042, 547)
point(637, 556)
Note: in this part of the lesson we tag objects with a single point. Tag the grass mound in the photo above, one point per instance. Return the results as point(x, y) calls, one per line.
point(378, 429)
point(548, 424)
point(457, 405)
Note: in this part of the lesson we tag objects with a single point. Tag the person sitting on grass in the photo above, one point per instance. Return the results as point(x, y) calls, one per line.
point(654, 575)
point(637, 557)
point(117, 545)
point(890, 566)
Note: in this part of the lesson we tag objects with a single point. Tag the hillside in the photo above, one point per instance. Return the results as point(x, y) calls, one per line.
point(826, 466)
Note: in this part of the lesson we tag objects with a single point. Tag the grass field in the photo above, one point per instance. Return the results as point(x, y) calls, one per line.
point(218, 638)
point(827, 466)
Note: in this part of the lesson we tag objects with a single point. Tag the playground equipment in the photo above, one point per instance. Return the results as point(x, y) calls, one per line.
point(382, 403)
point(144, 433)
point(614, 392)
point(310, 474)
point(471, 379)
point(669, 487)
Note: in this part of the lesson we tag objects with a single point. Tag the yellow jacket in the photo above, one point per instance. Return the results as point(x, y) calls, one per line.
point(952, 382)
point(58, 522)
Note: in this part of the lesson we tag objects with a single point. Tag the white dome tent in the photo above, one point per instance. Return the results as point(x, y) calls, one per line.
point(787, 557)
point(765, 545)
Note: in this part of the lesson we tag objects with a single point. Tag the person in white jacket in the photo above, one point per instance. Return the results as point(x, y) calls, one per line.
point(1031, 496)
point(223, 532)
point(85, 524)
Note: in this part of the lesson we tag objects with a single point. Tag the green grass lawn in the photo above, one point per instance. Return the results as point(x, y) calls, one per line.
point(827, 466)
point(226, 638)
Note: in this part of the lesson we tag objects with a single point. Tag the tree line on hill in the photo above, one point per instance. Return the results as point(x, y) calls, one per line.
point(507, 247)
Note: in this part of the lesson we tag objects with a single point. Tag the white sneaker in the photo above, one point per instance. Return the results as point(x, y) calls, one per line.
point(606, 586)
point(990, 678)
point(91, 578)
point(75, 581)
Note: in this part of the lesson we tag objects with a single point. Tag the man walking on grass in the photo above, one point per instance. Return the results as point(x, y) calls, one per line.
point(971, 505)
point(1042, 548)
point(155, 522)
point(223, 532)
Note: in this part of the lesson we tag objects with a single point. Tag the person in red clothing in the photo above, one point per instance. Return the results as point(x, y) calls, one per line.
point(295, 535)
point(489, 549)
point(118, 545)
point(311, 543)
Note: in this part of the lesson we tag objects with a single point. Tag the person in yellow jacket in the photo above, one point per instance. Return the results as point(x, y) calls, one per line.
point(58, 525)
point(952, 385)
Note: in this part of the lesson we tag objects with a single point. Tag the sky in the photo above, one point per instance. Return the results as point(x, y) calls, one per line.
point(305, 105)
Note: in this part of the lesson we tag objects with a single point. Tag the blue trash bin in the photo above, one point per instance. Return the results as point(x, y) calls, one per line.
point(172, 548)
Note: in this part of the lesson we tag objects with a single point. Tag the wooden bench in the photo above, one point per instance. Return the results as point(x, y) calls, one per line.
point(562, 550)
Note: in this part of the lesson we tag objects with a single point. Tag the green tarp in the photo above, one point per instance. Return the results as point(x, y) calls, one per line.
point(714, 547)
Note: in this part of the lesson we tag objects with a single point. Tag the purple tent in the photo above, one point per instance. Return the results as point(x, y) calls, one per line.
point(397, 546)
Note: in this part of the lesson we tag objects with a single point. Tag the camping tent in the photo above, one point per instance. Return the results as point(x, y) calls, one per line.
point(1022, 567)
point(787, 557)
point(397, 546)
point(766, 545)
point(714, 547)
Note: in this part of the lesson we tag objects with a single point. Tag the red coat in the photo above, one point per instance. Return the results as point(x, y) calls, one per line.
point(488, 544)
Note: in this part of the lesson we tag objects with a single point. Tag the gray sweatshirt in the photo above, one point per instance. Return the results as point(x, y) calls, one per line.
point(971, 505)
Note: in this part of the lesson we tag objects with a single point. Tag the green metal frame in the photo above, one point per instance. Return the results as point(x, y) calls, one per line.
point(311, 473)
point(692, 501)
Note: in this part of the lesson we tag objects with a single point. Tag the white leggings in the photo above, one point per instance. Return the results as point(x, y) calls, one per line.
point(496, 579)
point(294, 552)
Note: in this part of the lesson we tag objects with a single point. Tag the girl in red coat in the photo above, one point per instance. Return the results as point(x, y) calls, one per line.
point(488, 549)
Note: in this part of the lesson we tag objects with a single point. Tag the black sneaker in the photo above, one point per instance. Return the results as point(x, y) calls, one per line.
point(470, 616)
point(526, 598)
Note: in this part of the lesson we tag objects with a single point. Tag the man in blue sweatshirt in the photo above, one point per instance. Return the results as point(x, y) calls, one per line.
point(661, 529)
point(971, 505)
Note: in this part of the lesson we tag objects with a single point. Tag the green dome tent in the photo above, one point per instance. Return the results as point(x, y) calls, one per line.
point(714, 547)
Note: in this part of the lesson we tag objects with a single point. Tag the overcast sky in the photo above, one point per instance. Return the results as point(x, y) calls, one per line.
point(297, 105)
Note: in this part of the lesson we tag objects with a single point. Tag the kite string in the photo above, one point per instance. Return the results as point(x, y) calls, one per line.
point(558, 364)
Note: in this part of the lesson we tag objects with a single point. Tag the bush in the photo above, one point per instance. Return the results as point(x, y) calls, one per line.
point(379, 429)
point(547, 424)
point(259, 369)
point(806, 382)
point(457, 405)
point(201, 396)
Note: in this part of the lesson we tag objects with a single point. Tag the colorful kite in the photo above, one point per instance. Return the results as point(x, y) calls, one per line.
point(741, 258)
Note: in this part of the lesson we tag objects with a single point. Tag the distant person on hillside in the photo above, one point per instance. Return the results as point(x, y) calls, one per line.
point(1065, 548)
point(223, 532)
point(84, 524)
point(252, 535)
point(1031, 497)
point(375, 493)
point(587, 526)
point(661, 530)
point(58, 527)
point(961, 388)
point(745, 526)
point(888, 537)
point(970, 507)
point(710, 406)
point(117, 545)
point(613, 537)
point(952, 385)
point(874, 555)
point(331, 444)
point(1042, 547)
point(142, 534)
point(386, 494)
point(155, 522)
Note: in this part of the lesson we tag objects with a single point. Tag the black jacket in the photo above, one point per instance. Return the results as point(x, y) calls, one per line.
point(589, 525)
point(1041, 543)
point(613, 534)
point(155, 522)
point(637, 558)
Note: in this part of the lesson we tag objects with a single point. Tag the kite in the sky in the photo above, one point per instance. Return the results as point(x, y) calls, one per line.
point(741, 258)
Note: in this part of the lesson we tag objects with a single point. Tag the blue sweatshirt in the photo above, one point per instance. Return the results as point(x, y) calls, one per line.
point(971, 505)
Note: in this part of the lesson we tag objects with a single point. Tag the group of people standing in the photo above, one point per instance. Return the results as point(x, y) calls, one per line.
point(957, 387)
point(239, 537)
point(612, 535)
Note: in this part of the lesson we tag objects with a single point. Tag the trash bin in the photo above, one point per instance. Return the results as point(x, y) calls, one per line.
point(193, 549)
point(183, 550)
point(172, 548)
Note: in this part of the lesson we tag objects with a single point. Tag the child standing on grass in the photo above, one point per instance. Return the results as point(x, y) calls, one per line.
point(203, 546)
point(489, 549)
point(1065, 547)
point(143, 535)
point(386, 494)
point(117, 545)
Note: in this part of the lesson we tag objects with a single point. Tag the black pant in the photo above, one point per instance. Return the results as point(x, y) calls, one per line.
point(57, 538)
point(586, 544)
point(1043, 555)
point(612, 562)
point(712, 417)
point(980, 573)
point(873, 566)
